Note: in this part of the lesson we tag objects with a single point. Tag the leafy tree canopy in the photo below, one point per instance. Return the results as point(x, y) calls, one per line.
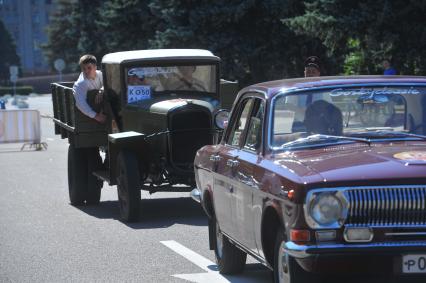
point(98, 27)
point(246, 34)
point(366, 32)
point(63, 35)
point(249, 35)
point(128, 25)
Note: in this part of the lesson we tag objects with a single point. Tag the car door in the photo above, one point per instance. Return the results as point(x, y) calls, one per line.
point(227, 163)
point(242, 209)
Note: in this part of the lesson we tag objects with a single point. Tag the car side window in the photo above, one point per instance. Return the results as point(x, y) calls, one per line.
point(238, 127)
point(254, 132)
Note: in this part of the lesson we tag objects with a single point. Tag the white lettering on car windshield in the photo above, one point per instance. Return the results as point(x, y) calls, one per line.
point(151, 71)
point(372, 92)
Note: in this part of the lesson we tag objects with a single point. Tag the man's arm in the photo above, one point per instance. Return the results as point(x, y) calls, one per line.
point(80, 95)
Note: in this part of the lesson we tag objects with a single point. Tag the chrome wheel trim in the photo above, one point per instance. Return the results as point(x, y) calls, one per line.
point(219, 241)
point(283, 266)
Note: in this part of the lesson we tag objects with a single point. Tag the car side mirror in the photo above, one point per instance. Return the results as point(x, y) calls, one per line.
point(221, 119)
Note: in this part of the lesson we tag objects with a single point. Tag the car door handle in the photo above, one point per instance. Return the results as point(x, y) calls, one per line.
point(232, 163)
point(231, 189)
point(215, 158)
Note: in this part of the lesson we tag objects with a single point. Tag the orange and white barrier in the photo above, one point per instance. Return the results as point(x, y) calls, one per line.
point(20, 126)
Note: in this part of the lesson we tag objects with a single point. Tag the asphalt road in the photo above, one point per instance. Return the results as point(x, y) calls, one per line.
point(45, 239)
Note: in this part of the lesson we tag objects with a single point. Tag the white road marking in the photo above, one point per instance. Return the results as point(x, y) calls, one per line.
point(204, 263)
point(190, 255)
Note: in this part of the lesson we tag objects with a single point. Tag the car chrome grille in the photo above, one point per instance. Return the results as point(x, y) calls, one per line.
point(387, 206)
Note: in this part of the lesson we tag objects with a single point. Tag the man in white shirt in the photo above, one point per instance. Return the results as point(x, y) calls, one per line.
point(89, 79)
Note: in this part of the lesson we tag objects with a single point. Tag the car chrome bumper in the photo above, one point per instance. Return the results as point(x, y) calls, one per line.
point(196, 195)
point(304, 251)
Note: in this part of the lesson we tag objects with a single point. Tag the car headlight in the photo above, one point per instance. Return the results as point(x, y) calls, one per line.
point(326, 209)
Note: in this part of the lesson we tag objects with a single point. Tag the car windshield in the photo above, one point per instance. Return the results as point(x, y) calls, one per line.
point(347, 115)
point(143, 82)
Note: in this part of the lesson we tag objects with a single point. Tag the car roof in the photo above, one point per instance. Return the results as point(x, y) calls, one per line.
point(158, 54)
point(274, 87)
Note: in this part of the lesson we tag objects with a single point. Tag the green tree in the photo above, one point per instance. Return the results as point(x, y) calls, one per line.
point(366, 32)
point(63, 36)
point(99, 27)
point(73, 31)
point(8, 54)
point(246, 34)
point(128, 24)
point(86, 18)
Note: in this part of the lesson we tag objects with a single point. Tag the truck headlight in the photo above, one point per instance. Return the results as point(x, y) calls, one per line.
point(327, 209)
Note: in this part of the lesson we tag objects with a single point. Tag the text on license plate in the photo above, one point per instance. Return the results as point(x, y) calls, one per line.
point(414, 263)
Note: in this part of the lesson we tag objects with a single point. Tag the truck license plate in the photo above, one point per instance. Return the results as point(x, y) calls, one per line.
point(414, 264)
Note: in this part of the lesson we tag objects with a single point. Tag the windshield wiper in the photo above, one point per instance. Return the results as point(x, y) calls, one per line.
point(319, 137)
point(387, 133)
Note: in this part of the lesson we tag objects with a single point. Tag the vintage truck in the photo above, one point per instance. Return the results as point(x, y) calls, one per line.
point(161, 107)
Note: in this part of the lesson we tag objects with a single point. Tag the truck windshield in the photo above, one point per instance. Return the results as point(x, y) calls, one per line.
point(343, 115)
point(143, 82)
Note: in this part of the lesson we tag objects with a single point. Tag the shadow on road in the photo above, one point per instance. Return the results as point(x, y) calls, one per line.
point(352, 278)
point(253, 273)
point(154, 213)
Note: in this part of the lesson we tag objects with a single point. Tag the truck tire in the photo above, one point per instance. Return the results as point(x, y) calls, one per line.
point(229, 258)
point(128, 181)
point(77, 175)
point(94, 185)
point(286, 269)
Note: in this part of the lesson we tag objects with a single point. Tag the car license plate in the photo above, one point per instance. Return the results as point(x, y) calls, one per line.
point(414, 263)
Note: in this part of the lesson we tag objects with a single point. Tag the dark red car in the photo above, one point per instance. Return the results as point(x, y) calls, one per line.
point(320, 175)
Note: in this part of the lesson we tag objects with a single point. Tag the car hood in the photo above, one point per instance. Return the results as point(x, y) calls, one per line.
point(390, 163)
point(165, 106)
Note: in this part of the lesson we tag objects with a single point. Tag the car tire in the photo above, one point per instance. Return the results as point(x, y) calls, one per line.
point(77, 175)
point(94, 185)
point(229, 258)
point(128, 181)
point(286, 268)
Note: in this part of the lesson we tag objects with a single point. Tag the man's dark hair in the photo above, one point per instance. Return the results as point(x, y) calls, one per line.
point(87, 59)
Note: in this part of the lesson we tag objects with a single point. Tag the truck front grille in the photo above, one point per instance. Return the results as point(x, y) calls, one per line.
point(190, 130)
point(387, 206)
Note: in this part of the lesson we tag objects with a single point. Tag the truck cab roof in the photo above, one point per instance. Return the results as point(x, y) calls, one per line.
point(158, 55)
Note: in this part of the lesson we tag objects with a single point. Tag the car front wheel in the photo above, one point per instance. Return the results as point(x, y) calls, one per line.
point(286, 269)
point(229, 258)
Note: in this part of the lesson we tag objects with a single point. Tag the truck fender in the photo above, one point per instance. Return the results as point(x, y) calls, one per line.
point(132, 141)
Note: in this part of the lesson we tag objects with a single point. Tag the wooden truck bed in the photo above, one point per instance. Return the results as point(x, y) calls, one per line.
point(70, 123)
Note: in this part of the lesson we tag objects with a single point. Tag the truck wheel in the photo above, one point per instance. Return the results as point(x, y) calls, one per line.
point(229, 258)
point(286, 269)
point(128, 181)
point(94, 185)
point(77, 175)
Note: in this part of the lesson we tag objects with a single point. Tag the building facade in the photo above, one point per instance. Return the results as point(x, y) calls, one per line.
point(27, 20)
